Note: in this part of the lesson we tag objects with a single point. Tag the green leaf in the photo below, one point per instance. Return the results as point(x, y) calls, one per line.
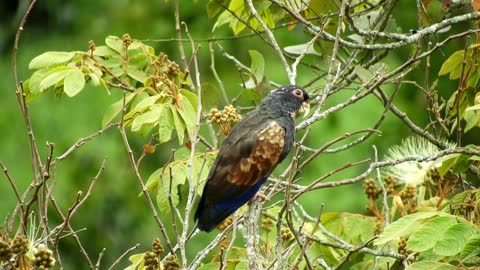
point(462, 163)
point(430, 266)
point(422, 239)
point(104, 51)
point(188, 114)
point(165, 191)
point(136, 260)
point(211, 97)
point(192, 97)
point(454, 239)
point(452, 64)
point(150, 117)
point(179, 124)
point(114, 109)
point(165, 125)
point(258, 64)
point(74, 82)
point(115, 43)
point(136, 74)
point(54, 76)
point(471, 249)
point(214, 7)
point(48, 59)
point(404, 226)
point(301, 48)
point(36, 79)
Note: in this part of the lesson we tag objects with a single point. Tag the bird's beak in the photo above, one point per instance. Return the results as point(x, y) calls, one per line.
point(304, 109)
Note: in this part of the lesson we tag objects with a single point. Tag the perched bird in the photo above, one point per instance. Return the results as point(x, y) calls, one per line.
point(249, 154)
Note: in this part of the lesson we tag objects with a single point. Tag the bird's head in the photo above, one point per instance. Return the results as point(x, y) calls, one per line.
point(289, 99)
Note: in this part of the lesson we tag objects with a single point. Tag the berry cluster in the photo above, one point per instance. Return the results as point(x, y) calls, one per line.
point(20, 245)
point(408, 193)
point(224, 118)
point(267, 224)
point(287, 235)
point(157, 247)
point(391, 184)
point(371, 189)
point(227, 222)
point(43, 257)
point(151, 261)
point(171, 263)
point(5, 250)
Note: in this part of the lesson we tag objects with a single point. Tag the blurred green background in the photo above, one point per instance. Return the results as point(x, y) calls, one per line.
point(115, 218)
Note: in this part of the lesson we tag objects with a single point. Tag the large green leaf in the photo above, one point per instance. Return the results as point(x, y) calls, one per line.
point(168, 186)
point(422, 239)
point(454, 239)
point(48, 59)
point(257, 69)
point(430, 266)
point(472, 248)
point(74, 82)
point(36, 79)
point(404, 226)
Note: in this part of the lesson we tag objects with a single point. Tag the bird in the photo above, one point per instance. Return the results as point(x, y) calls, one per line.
point(249, 154)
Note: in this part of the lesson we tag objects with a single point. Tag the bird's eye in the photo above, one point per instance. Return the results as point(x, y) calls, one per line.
point(298, 93)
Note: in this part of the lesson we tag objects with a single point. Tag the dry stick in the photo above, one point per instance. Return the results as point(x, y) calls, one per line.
point(78, 203)
point(290, 74)
point(74, 235)
point(117, 261)
point(192, 188)
point(178, 30)
point(14, 187)
point(140, 180)
point(351, 252)
point(82, 141)
point(20, 94)
point(461, 88)
point(100, 256)
point(215, 74)
point(380, 164)
point(386, 209)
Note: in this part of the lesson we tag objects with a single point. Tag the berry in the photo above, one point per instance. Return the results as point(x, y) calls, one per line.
point(157, 247)
point(43, 257)
point(19, 245)
point(227, 222)
point(171, 263)
point(371, 189)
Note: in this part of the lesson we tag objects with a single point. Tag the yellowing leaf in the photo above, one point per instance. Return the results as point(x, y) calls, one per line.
point(150, 117)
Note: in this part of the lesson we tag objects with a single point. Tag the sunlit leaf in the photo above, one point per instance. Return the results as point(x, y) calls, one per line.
point(137, 74)
point(104, 51)
point(150, 117)
point(472, 248)
point(48, 59)
point(452, 64)
point(54, 76)
point(74, 82)
point(404, 226)
point(454, 239)
point(36, 79)
point(422, 239)
point(136, 260)
point(115, 43)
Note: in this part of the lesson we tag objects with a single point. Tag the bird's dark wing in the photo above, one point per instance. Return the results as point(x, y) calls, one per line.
point(246, 159)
